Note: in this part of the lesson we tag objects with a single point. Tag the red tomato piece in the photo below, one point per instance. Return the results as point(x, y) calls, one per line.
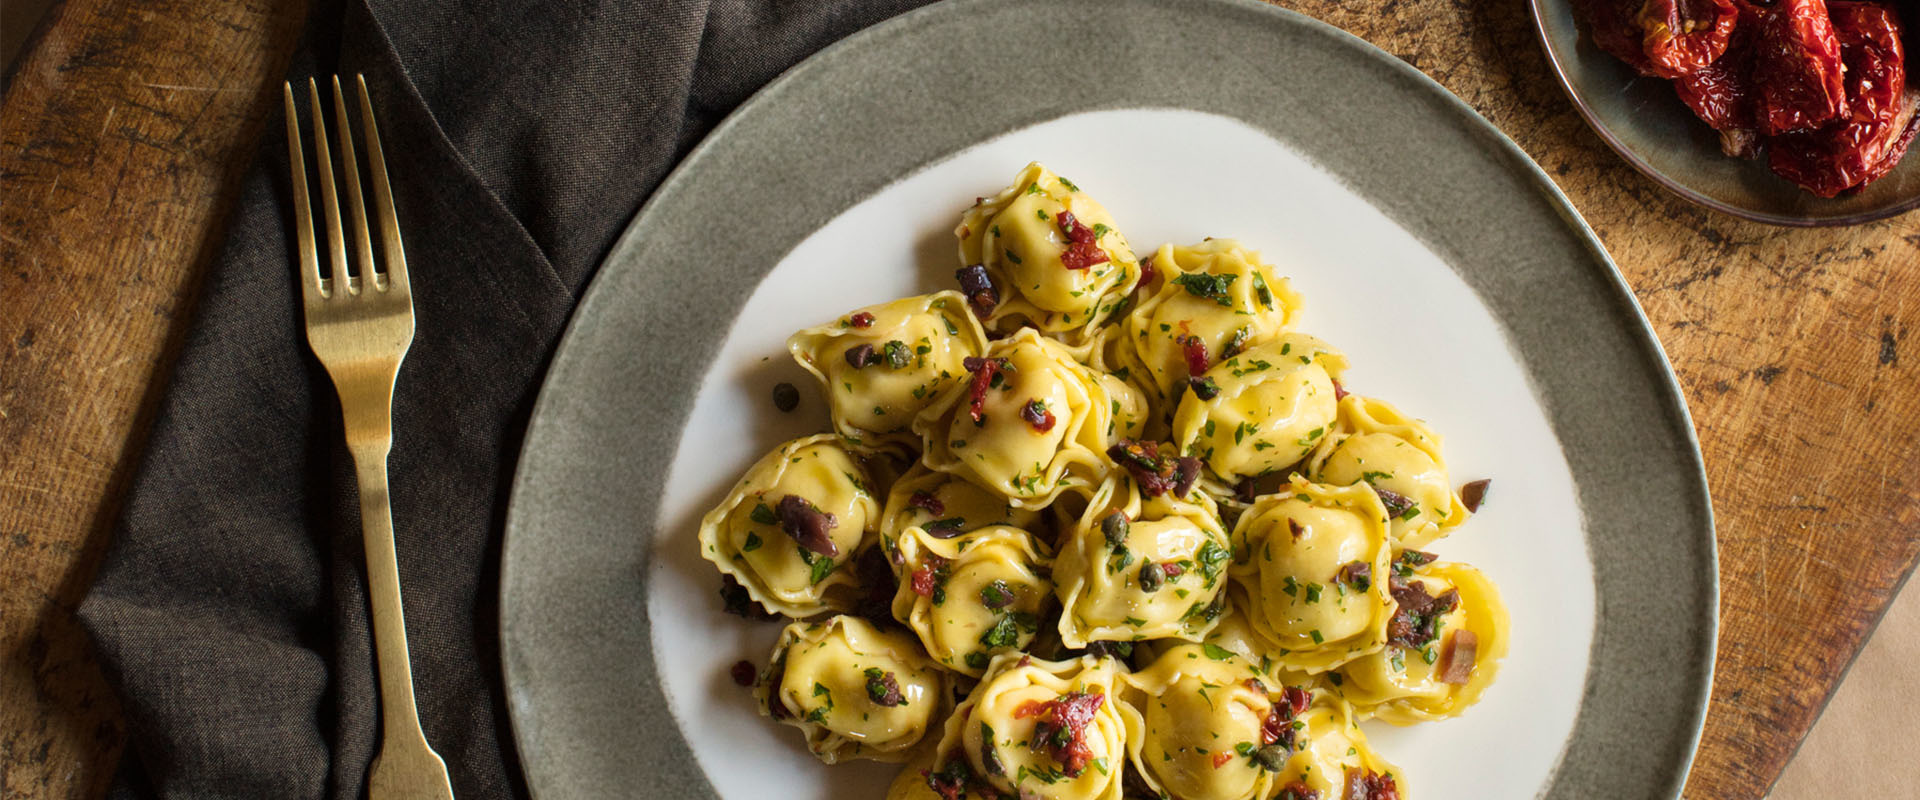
point(1798, 68)
point(1610, 24)
point(1723, 94)
point(1684, 36)
point(1879, 124)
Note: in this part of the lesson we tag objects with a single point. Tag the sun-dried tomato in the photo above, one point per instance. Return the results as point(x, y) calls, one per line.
point(1082, 250)
point(1277, 726)
point(861, 320)
point(1339, 392)
point(1037, 415)
point(1798, 68)
point(1297, 699)
point(1221, 759)
point(1723, 93)
point(1147, 273)
point(983, 370)
point(1365, 784)
point(1153, 474)
point(1062, 731)
point(1195, 352)
point(927, 579)
point(1683, 36)
point(927, 502)
point(1840, 157)
point(1611, 25)
point(1297, 790)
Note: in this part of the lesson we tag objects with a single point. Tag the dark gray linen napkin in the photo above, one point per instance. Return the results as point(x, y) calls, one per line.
point(231, 610)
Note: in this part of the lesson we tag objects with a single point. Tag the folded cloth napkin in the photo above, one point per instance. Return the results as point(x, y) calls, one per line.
point(231, 610)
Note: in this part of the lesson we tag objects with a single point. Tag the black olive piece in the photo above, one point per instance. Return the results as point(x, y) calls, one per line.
point(1186, 470)
point(809, 526)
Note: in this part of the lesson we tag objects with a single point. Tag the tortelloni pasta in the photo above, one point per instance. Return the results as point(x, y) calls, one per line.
point(1028, 421)
point(1214, 299)
point(881, 365)
point(1204, 724)
point(1043, 730)
point(945, 505)
point(855, 690)
point(1232, 633)
point(972, 596)
point(1270, 406)
point(910, 783)
point(791, 523)
point(1399, 457)
point(1445, 642)
point(1136, 569)
point(1331, 759)
point(1055, 258)
point(1306, 571)
point(1148, 465)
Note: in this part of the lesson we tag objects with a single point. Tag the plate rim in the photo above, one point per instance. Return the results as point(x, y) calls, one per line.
point(1634, 322)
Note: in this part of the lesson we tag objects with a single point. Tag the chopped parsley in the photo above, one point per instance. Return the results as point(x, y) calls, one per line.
point(1207, 286)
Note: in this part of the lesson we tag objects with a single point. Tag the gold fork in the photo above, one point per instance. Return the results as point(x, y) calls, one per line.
point(359, 324)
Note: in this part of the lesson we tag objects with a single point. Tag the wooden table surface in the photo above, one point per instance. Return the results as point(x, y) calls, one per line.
point(126, 126)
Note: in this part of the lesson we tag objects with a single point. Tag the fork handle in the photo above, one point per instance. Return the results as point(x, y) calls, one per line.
point(406, 767)
point(383, 593)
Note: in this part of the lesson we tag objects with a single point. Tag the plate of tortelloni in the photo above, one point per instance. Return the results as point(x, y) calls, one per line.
point(1209, 434)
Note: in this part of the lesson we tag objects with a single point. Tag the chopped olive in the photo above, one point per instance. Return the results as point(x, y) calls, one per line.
point(996, 595)
point(883, 689)
point(1473, 494)
point(1114, 528)
point(808, 525)
point(860, 356)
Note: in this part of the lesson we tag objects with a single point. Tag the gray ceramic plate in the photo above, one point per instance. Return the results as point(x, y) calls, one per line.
point(1365, 178)
point(1649, 127)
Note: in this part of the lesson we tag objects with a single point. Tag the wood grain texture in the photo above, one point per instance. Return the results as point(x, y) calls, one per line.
point(125, 129)
point(123, 132)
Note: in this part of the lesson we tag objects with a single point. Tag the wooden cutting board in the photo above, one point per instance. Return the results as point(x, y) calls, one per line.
point(126, 126)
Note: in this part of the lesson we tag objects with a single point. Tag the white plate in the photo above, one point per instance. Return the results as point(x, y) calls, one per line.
point(1417, 335)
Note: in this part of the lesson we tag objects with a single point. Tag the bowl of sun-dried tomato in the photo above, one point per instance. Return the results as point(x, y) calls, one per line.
point(1790, 112)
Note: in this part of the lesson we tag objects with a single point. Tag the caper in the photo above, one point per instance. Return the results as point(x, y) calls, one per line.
point(1152, 576)
point(1115, 528)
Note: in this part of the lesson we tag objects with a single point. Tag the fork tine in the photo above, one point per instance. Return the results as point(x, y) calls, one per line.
point(312, 286)
point(350, 167)
point(391, 253)
point(329, 201)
